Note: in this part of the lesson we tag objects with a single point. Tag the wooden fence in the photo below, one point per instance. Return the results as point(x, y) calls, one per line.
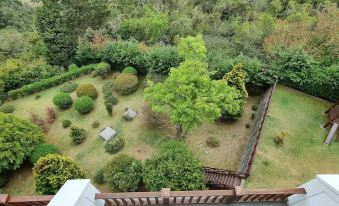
point(254, 136)
point(7, 200)
point(168, 197)
point(224, 179)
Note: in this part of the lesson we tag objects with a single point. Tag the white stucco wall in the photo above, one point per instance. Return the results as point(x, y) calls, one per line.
point(76, 193)
point(321, 191)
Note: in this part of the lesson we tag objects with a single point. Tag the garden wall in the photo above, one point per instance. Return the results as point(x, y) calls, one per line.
point(254, 136)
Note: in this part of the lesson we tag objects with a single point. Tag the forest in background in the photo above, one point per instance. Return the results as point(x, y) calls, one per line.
point(292, 41)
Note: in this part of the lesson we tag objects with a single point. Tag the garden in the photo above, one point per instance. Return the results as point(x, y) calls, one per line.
point(142, 95)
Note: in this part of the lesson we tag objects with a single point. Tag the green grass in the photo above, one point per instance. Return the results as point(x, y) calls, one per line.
point(141, 141)
point(303, 154)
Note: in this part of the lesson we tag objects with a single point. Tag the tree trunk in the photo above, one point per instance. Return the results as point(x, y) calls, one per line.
point(179, 130)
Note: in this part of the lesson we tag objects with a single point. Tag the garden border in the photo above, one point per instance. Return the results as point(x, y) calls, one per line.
point(246, 162)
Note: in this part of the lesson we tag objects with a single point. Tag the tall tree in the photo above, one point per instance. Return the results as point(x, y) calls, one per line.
point(236, 78)
point(193, 48)
point(190, 96)
point(58, 38)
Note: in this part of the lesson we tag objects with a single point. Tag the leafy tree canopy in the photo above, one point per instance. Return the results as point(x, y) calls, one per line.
point(193, 48)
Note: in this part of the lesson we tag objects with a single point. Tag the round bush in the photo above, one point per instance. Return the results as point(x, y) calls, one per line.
point(4, 178)
point(84, 105)
point(18, 138)
point(78, 135)
point(52, 171)
point(87, 90)
point(174, 167)
point(111, 99)
point(99, 177)
point(63, 101)
point(42, 150)
point(130, 70)
point(102, 70)
point(66, 123)
point(123, 173)
point(125, 83)
point(7, 108)
point(95, 124)
point(213, 142)
point(69, 87)
point(114, 145)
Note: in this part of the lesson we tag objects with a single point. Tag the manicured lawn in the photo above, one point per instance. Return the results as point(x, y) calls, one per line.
point(141, 141)
point(303, 154)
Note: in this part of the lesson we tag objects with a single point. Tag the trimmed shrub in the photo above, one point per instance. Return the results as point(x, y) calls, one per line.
point(109, 108)
point(213, 142)
point(95, 124)
point(111, 100)
point(4, 178)
point(99, 177)
point(84, 105)
point(87, 90)
point(66, 123)
point(7, 108)
point(130, 70)
point(51, 82)
point(37, 96)
point(114, 145)
point(63, 101)
point(254, 107)
point(107, 88)
point(69, 87)
point(102, 70)
point(126, 84)
point(248, 125)
point(21, 137)
point(52, 171)
point(161, 59)
point(42, 150)
point(174, 167)
point(78, 135)
point(123, 173)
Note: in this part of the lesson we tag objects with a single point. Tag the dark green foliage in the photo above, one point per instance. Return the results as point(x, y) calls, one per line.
point(254, 107)
point(18, 138)
point(61, 43)
point(4, 178)
point(126, 84)
point(212, 142)
point(85, 54)
point(96, 124)
point(130, 70)
point(99, 177)
point(253, 116)
point(69, 87)
point(102, 70)
point(114, 145)
point(37, 96)
point(78, 135)
point(111, 100)
point(125, 53)
point(123, 173)
point(84, 104)
point(278, 140)
point(174, 167)
point(87, 90)
point(52, 171)
point(42, 150)
point(66, 123)
point(248, 125)
point(7, 108)
point(51, 82)
point(161, 59)
point(63, 101)
point(109, 108)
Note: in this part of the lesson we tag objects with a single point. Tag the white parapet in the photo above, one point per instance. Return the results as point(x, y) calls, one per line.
point(76, 193)
point(321, 191)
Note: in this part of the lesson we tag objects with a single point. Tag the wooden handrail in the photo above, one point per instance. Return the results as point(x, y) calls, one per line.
point(168, 197)
point(8, 200)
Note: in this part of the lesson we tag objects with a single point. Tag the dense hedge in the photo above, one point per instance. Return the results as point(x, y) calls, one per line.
point(123, 173)
point(52, 171)
point(18, 138)
point(42, 150)
point(125, 83)
point(51, 82)
point(84, 104)
point(102, 70)
point(63, 100)
point(87, 90)
point(174, 167)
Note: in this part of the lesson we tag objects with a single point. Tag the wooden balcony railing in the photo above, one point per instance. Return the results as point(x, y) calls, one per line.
point(7, 200)
point(168, 197)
